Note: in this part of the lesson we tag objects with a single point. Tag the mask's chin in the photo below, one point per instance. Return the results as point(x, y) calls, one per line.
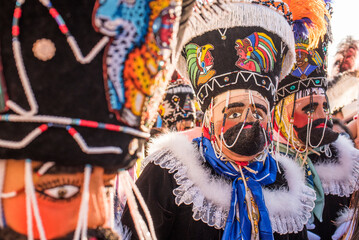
point(232, 156)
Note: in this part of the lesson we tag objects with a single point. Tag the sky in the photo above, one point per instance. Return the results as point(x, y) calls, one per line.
point(345, 21)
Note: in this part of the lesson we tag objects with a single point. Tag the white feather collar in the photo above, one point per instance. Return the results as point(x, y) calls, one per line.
point(289, 210)
point(340, 178)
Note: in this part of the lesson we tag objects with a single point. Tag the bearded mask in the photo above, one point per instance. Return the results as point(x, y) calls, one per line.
point(302, 109)
point(179, 103)
point(240, 127)
point(304, 119)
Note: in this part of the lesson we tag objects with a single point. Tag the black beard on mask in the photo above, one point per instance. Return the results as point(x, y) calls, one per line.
point(250, 142)
point(98, 233)
point(316, 133)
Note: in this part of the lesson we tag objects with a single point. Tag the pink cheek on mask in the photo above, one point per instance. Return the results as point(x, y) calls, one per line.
point(300, 119)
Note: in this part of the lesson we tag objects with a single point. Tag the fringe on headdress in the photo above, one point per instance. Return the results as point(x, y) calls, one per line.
point(309, 19)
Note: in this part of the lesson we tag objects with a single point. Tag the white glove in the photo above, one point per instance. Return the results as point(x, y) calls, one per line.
point(341, 230)
point(312, 236)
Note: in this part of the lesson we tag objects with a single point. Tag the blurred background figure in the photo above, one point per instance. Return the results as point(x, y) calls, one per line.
point(178, 111)
point(343, 87)
point(341, 128)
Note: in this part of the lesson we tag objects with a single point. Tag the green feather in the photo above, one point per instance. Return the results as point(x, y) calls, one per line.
point(191, 58)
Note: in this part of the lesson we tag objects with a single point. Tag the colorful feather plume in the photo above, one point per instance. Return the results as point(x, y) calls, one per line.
point(300, 28)
point(309, 19)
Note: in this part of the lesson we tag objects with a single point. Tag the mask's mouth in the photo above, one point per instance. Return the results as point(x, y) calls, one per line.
point(247, 126)
point(322, 125)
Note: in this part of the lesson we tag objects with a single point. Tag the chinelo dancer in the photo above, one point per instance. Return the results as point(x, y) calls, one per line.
point(178, 111)
point(303, 121)
point(210, 187)
point(80, 85)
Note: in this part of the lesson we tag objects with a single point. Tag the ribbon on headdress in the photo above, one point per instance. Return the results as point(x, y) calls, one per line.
point(238, 225)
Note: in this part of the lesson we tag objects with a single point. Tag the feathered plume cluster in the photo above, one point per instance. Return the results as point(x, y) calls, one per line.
point(309, 19)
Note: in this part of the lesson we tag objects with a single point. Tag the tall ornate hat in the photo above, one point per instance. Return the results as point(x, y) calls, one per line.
point(309, 74)
point(179, 102)
point(81, 82)
point(312, 35)
point(237, 45)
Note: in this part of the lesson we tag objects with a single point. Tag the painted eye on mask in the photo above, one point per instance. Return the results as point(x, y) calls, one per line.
point(108, 189)
point(61, 192)
point(257, 116)
point(234, 115)
point(310, 111)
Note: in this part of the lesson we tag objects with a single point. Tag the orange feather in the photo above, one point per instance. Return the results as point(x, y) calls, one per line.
point(316, 11)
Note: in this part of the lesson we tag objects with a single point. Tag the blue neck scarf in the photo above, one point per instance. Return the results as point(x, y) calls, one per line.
point(238, 225)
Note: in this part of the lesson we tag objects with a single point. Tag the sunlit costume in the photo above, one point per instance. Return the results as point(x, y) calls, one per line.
point(303, 121)
point(178, 110)
point(234, 53)
point(80, 85)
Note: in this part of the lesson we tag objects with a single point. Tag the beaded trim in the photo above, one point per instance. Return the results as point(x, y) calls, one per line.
point(202, 7)
point(76, 136)
point(74, 122)
point(295, 86)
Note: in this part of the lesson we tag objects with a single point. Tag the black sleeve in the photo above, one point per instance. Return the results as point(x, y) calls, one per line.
point(333, 205)
point(156, 186)
point(302, 235)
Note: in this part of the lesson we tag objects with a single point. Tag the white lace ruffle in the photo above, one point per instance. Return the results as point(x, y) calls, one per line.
point(340, 178)
point(284, 222)
point(290, 208)
point(188, 193)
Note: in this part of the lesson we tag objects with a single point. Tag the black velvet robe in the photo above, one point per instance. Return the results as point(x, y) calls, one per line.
point(172, 221)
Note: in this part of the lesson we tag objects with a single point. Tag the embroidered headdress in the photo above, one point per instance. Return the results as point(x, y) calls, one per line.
point(309, 75)
point(179, 103)
point(237, 45)
point(82, 83)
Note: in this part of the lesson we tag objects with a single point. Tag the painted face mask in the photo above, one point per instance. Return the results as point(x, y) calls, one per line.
point(302, 110)
point(241, 125)
point(58, 198)
point(311, 121)
point(178, 108)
